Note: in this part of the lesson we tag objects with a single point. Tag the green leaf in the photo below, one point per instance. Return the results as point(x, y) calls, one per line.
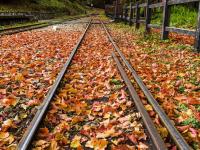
point(193, 121)
point(183, 107)
point(181, 89)
point(75, 142)
point(115, 81)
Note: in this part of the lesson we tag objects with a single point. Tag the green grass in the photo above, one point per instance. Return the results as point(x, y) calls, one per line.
point(72, 7)
point(181, 16)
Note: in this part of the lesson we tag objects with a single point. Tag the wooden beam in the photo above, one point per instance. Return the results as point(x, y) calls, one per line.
point(170, 2)
point(148, 17)
point(122, 14)
point(156, 5)
point(174, 2)
point(116, 10)
point(156, 26)
point(166, 20)
point(131, 14)
point(197, 37)
point(137, 25)
point(143, 5)
point(126, 14)
point(182, 31)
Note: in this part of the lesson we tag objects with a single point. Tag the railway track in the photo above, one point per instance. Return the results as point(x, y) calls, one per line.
point(52, 63)
point(175, 135)
point(14, 30)
point(108, 97)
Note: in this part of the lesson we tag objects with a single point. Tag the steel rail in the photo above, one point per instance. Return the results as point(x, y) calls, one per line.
point(26, 26)
point(175, 135)
point(32, 128)
point(155, 136)
point(23, 29)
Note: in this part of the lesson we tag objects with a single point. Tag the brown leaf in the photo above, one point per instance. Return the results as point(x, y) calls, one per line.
point(122, 147)
point(132, 138)
point(43, 132)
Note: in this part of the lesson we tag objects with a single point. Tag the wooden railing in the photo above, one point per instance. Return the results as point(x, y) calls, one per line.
point(131, 14)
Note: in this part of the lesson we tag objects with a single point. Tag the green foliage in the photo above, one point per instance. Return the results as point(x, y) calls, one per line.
point(181, 89)
point(115, 81)
point(183, 107)
point(193, 121)
point(74, 7)
point(181, 16)
point(198, 107)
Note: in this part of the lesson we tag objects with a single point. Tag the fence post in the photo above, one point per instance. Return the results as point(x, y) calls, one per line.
point(166, 19)
point(137, 17)
point(126, 13)
point(197, 37)
point(148, 16)
point(131, 14)
point(122, 13)
point(116, 10)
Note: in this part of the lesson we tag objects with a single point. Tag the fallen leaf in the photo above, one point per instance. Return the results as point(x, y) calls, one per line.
point(10, 101)
point(97, 144)
point(106, 133)
point(76, 142)
point(43, 132)
point(54, 145)
point(4, 135)
point(132, 138)
point(163, 132)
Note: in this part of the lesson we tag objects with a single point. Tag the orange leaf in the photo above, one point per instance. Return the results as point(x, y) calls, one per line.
point(97, 144)
point(11, 100)
point(43, 132)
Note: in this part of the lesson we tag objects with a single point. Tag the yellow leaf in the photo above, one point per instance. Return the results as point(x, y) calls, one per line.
point(12, 147)
point(40, 143)
point(163, 132)
point(75, 142)
point(7, 124)
point(97, 144)
point(7, 140)
point(4, 135)
point(54, 145)
point(106, 116)
point(19, 77)
point(106, 133)
point(23, 115)
point(181, 74)
point(77, 119)
point(72, 90)
point(148, 107)
point(10, 139)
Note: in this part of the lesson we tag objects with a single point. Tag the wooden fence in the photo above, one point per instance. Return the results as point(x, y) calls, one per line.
point(131, 14)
